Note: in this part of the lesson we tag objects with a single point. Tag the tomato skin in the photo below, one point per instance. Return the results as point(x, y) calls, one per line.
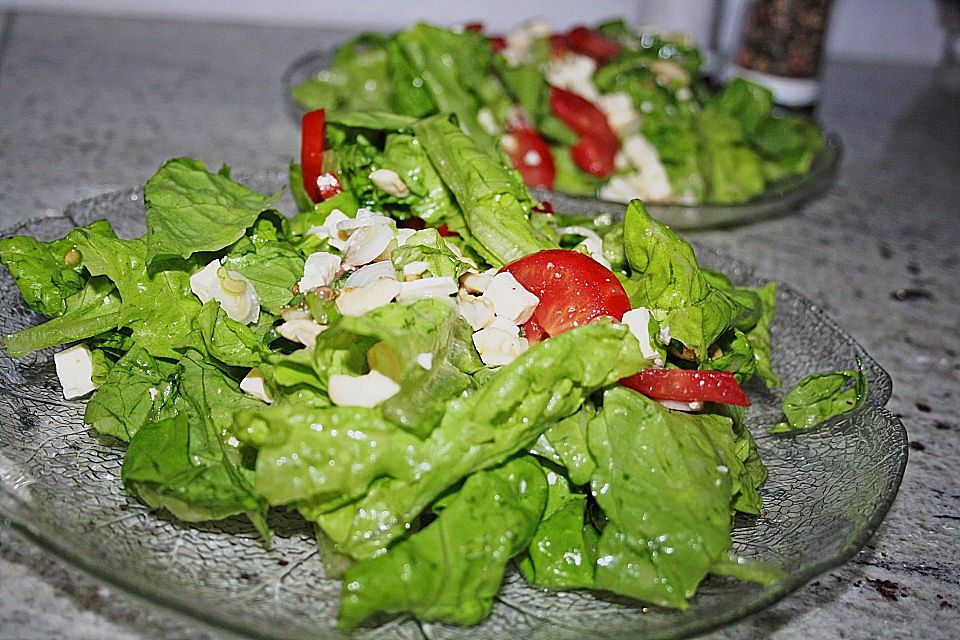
point(582, 116)
point(498, 43)
point(686, 385)
point(559, 46)
point(445, 232)
point(573, 288)
point(590, 43)
point(312, 131)
point(594, 156)
point(530, 145)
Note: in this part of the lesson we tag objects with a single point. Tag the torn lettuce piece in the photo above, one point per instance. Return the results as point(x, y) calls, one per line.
point(562, 553)
point(48, 273)
point(190, 210)
point(226, 340)
point(821, 396)
point(504, 416)
point(428, 246)
point(93, 310)
point(565, 443)
point(138, 390)
point(451, 570)
point(649, 460)
point(494, 201)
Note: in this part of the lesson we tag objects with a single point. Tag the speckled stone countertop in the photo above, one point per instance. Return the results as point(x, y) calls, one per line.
point(89, 105)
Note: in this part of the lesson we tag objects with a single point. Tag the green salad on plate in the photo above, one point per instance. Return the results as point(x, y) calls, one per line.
point(440, 374)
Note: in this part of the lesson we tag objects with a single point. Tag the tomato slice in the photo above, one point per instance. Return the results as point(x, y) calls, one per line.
point(594, 156)
point(590, 43)
point(581, 115)
point(531, 156)
point(573, 288)
point(312, 131)
point(559, 46)
point(497, 43)
point(688, 386)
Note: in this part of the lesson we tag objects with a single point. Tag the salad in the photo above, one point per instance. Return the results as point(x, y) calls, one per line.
point(438, 374)
point(605, 111)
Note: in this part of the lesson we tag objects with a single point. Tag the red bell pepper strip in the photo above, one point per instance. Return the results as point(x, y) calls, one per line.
point(312, 131)
point(531, 156)
point(686, 385)
point(582, 116)
point(590, 43)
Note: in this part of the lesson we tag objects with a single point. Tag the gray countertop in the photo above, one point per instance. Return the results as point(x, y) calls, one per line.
point(89, 105)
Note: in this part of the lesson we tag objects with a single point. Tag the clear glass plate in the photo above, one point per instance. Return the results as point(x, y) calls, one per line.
point(779, 198)
point(828, 490)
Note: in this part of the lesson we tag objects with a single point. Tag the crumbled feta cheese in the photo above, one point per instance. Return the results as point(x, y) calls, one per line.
point(504, 324)
point(509, 143)
point(510, 299)
point(253, 385)
point(303, 330)
point(664, 335)
point(319, 270)
point(498, 347)
point(361, 391)
point(638, 321)
point(476, 311)
point(329, 228)
point(592, 242)
point(677, 405)
point(519, 40)
point(487, 121)
point(425, 360)
point(403, 235)
point(477, 282)
point(357, 301)
point(415, 268)
point(621, 115)
point(234, 291)
point(389, 181)
point(75, 371)
point(369, 273)
point(365, 244)
point(649, 182)
point(574, 73)
point(434, 287)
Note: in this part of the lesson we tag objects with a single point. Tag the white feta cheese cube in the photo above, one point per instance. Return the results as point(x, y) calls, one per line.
point(234, 291)
point(366, 244)
point(361, 391)
point(253, 385)
point(389, 181)
point(425, 360)
point(510, 299)
point(498, 347)
point(504, 324)
point(302, 330)
point(487, 121)
point(638, 321)
point(476, 311)
point(369, 273)
point(592, 242)
point(320, 269)
point(359, 300)
point(75, 371)
point(477, 282)
point(434, 287)
point(415, 268)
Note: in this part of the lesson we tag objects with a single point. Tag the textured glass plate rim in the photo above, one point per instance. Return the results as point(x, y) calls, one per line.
point(15, 512)
point(780, 198)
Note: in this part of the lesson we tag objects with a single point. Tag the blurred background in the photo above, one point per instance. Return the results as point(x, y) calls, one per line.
point(893, 30)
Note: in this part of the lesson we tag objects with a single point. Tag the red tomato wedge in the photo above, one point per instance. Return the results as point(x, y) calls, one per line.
point(573, 289)
point(498, 43)
point(590, 43)
point(531, 156)
point(312, 132)
point(559, 46)
point(593, 156)
point(581, 115)
point(688, 386)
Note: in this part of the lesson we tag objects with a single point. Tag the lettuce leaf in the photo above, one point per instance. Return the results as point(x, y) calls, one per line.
point(821, 396)
point(190, 210)
point(451, 570)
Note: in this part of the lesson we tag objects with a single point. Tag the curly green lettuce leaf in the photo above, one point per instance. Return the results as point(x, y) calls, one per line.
point(191, 210)
point(494, 201)
point(428, 246)
point(563, 551)
point(649, 460)
point(93, 310)
point(47, 273)
point(138, 390)
point(451, 570)
point(504, 416)
point(821, 396)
